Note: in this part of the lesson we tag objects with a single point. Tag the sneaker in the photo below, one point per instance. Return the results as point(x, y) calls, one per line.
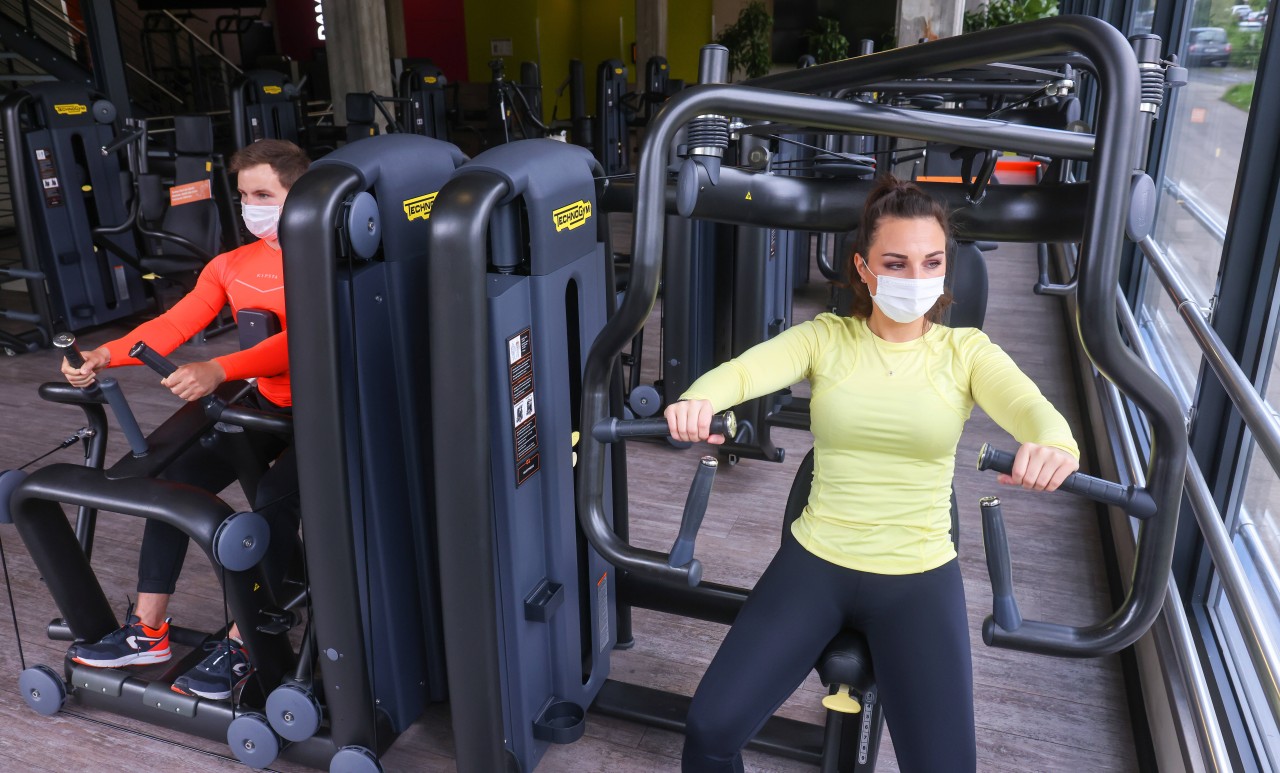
point(218, 675)
point(133, 645)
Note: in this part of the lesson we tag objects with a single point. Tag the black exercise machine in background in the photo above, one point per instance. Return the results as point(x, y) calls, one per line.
point(265, 104)
point(64, 189)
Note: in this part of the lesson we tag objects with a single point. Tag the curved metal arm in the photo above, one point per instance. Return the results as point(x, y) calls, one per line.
point(1111, 165)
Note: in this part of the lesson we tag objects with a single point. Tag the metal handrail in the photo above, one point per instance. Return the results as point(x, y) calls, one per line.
point(1262, 561)
point(1253, 409)
point(1191, 202)
point(204, 43)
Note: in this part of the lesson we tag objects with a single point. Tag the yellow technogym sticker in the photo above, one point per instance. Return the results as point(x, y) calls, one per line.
point(271, 89)
point(72, 108)
point(572, 215)
point(419, 207)
point(429, 79)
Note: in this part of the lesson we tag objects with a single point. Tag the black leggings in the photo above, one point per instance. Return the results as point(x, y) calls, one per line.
point(915, 624)
point(212, 464)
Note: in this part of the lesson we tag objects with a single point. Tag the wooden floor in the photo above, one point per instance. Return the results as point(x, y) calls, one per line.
point(1034, 713)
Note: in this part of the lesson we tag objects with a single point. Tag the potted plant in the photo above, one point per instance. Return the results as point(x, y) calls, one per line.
point(826, 43)
point(748, 41)
point(997, 13)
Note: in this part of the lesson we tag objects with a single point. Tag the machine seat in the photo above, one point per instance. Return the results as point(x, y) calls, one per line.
point(847, 661)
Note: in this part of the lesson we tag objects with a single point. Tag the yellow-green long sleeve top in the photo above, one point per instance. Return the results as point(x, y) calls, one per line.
point(886, 419)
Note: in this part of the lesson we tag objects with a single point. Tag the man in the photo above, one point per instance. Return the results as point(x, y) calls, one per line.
point(251, 276)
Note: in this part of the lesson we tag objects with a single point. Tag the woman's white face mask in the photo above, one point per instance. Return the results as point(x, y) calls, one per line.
point(905, 300)
point(262, 221)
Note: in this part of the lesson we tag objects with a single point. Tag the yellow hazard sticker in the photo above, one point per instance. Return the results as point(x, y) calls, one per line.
point(572, 215)
point(72, 108)
point(748, 195)
point(419, 207)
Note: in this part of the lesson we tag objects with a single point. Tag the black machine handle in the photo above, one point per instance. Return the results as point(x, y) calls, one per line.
point(695, 507)
point(613, 429)
point(152, 359)
point(215, 407)
point(1005, 606)
point(109, 389)
point(1133, 500)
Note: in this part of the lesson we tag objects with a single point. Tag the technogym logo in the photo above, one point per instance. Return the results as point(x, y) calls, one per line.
point(271, 90)
point(71, 109)
point(572, 215)
point(419, 207)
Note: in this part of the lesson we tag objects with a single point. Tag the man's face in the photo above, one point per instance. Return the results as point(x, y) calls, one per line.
point(260, 186)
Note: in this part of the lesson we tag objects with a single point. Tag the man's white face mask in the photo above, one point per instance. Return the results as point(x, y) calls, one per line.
point(261, 221)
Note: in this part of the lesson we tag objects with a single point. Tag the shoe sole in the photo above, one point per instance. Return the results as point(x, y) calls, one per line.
point(213, 696)
point(140, 659)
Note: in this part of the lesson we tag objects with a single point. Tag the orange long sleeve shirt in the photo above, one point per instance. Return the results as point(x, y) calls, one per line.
point(249, 277)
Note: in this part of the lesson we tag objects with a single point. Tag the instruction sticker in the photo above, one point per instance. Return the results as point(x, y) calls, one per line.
point(189, 192)
point(48, 178)
point(524, 421)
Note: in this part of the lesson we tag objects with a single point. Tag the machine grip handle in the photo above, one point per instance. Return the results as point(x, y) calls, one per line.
point(67, 343)
point(613, 429)
point(124, 416)
point(695, 507)
point(152, 359)
point(1135, 501)
point(109, 389)
point(996, 543)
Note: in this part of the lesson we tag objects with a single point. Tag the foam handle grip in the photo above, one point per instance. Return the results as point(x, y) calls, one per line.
point(75, 358)
point(999, 566)
point(1134, 501)
point(695, 507)
point(124, 416)
point(152, 359)
point(612, 429)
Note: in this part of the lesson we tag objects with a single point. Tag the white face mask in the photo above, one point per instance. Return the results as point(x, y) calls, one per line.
point(905, 300)
point(261, 220)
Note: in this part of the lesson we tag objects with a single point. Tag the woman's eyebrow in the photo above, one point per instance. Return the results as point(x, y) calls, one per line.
point(904, 257)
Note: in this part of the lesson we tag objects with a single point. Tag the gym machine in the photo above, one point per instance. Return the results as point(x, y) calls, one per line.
point(1095, 213)
point(357, 308)
point(69, 189)
point(422, 85)
point(528, 606)
point(265, 105)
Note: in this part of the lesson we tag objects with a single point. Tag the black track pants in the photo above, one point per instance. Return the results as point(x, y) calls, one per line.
point(212, 464)
point(917, 629)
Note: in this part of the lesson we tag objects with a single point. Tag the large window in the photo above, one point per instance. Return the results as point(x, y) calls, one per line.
point(1208, 122)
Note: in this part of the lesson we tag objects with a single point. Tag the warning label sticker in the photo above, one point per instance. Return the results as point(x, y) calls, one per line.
point(189, 192)
point(524, 421)
point(48, 178)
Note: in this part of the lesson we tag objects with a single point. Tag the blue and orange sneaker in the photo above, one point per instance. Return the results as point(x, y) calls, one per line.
point(132, 645)
point(218, 675)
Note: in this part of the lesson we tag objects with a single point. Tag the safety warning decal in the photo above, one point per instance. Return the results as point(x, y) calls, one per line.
point(524, 421)
point(189, 192)
point(48, 173)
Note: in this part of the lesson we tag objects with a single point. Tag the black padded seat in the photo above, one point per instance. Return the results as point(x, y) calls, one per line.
point(847, 661)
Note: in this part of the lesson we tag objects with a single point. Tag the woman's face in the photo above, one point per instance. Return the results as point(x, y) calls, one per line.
point(911, 248)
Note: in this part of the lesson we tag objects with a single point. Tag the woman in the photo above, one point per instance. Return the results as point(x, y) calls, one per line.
point(891, 390)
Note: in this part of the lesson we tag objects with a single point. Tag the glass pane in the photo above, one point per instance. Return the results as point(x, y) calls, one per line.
point(1143, 13)
point(1205, 142)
